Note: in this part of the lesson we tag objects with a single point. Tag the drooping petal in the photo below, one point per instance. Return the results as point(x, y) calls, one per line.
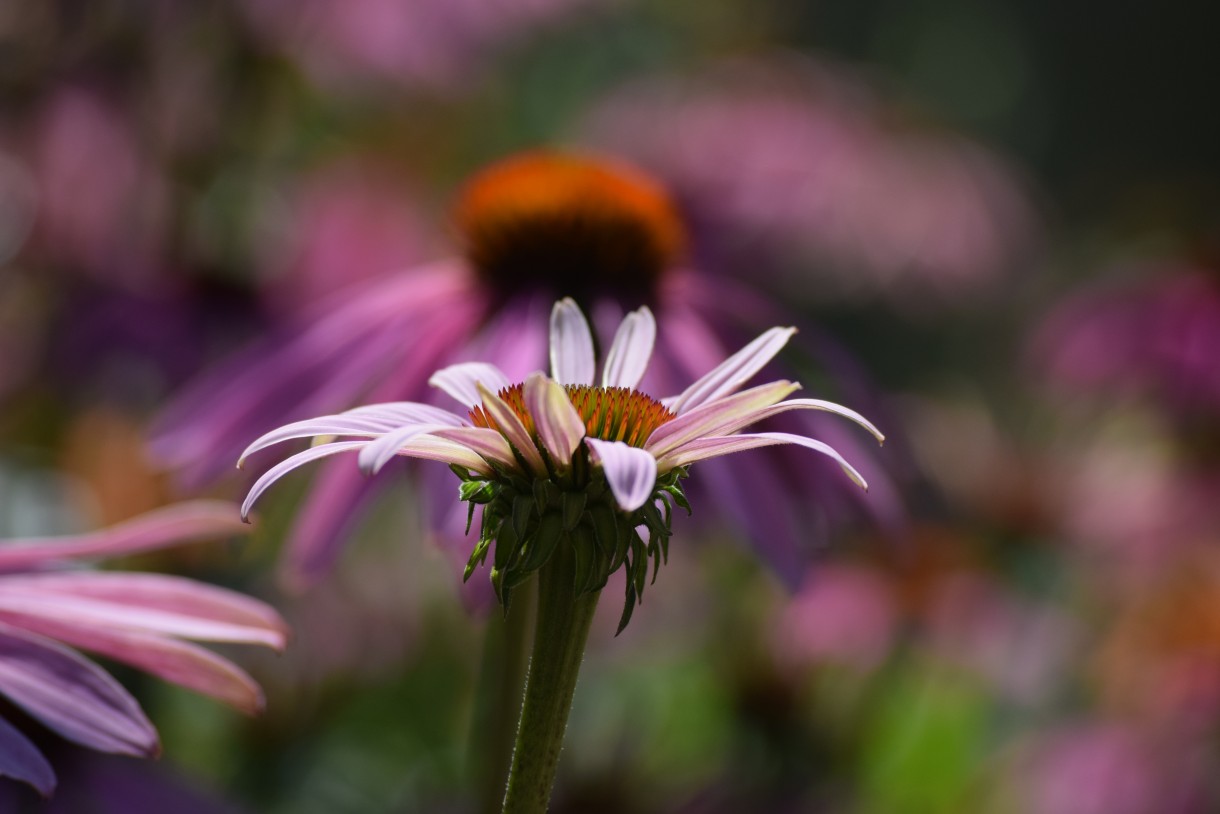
point(288, 464)
point(486, 444)
point(173, 525)
point(219, 610)
point(733, 372)
point(461, 381)
point(703, 420)
point(630, 471)
point(713, 447)
point(173, 660)
point(21, 760)
point(632, 350)
point(512, 428)
point(380, 451)
point(433, 448)
point(72, 695)
point(559, 426)
point(572, 359)
point(798, 404)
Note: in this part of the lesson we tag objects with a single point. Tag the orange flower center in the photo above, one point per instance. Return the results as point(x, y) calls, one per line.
point(569, 223)
point(609, 413)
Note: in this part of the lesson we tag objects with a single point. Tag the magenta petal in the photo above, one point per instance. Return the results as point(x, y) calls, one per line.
point(630, 471)
point(559, 426)
point(733, 372)
point(72, 695)
point(173, 660)
point(706, 419)
point(21, 760)
point(158, 602)
point(288, 464)
point(336, 498)
point(174, 525)
point(714, 447)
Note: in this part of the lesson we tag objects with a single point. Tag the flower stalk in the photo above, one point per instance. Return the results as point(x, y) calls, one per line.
point(562, 627)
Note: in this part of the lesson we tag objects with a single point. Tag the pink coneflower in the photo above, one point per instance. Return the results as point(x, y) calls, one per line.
point(145, 620)
point(530, 229)
point(560, 460)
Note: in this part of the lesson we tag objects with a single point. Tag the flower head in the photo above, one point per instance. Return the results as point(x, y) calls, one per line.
point(144, 620)
point(559, 460)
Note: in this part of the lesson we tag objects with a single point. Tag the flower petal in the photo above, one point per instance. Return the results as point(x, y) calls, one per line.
point(224, 615)
point(704, 420)
point(21, 760)
point(630, 471)
point(559, 426)
point(173, 525)
point(632, 350)
point(572, 359)
point(733, 372)
point(510, 425)
point(488, 445)
point(713, 447)
point(288, 464)
point(380, 451)
point(173, 660)
point(72, 695)
point(460, 454)
point(461, 380)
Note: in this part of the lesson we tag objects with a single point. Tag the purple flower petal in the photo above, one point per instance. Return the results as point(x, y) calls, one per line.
point(734, 371)
point(381, 451)
point(174, 525)
point(173, 660)
point(72, 695)
point(559, 426)
point(461, 381)
point(630, 471)
point(572, 359)
point(799, 404)
point(512, 428)
point(155, 602)
point(632, 350)
point(21, 760)
point(714, 447)
point(288, 464)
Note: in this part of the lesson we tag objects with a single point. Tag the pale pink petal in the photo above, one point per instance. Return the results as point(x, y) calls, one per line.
point(395, 413)
point(381, 451)
point(329, 425)
point(734, 371)
point(512, 428)
point(630, 471)
point(253, 620)
point(21, 760)
point(173, 660)
point(487, 444)
point(461, 381)
point(72, 695)
point(288, 464)
point(799, 404)
point(173, 525)
point(704, 448)
point(460, 454)
point(572, 359)
point(559, 426)
point(632, 350)
point(703, 420)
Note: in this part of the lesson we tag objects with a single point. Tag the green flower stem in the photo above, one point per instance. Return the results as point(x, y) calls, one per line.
point(559, 645)
point(500, 692)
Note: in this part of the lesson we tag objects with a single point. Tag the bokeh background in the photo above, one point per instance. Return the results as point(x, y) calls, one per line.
point(1005, 211)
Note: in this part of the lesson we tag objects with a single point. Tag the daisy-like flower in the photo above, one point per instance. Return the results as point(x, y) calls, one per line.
point(561, 460)
point(523, 225)
point(144, 620)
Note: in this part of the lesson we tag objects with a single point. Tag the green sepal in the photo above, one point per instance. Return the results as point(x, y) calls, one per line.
point(606, 529)
point(477, 557)
point(478, 491)
point(542, 544)
point(628, 608)
point(573, 507)
point(523, 509)
point(584, 549)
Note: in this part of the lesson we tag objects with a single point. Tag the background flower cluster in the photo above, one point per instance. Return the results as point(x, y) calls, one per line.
point(994, 225)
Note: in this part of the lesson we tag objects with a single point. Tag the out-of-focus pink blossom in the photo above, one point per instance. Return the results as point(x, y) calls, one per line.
point(340, 226)
point(842, 614)
point(1156, 337)
point(430, 43)
point(48, 606)
point(772, 158)
point(102, 204)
